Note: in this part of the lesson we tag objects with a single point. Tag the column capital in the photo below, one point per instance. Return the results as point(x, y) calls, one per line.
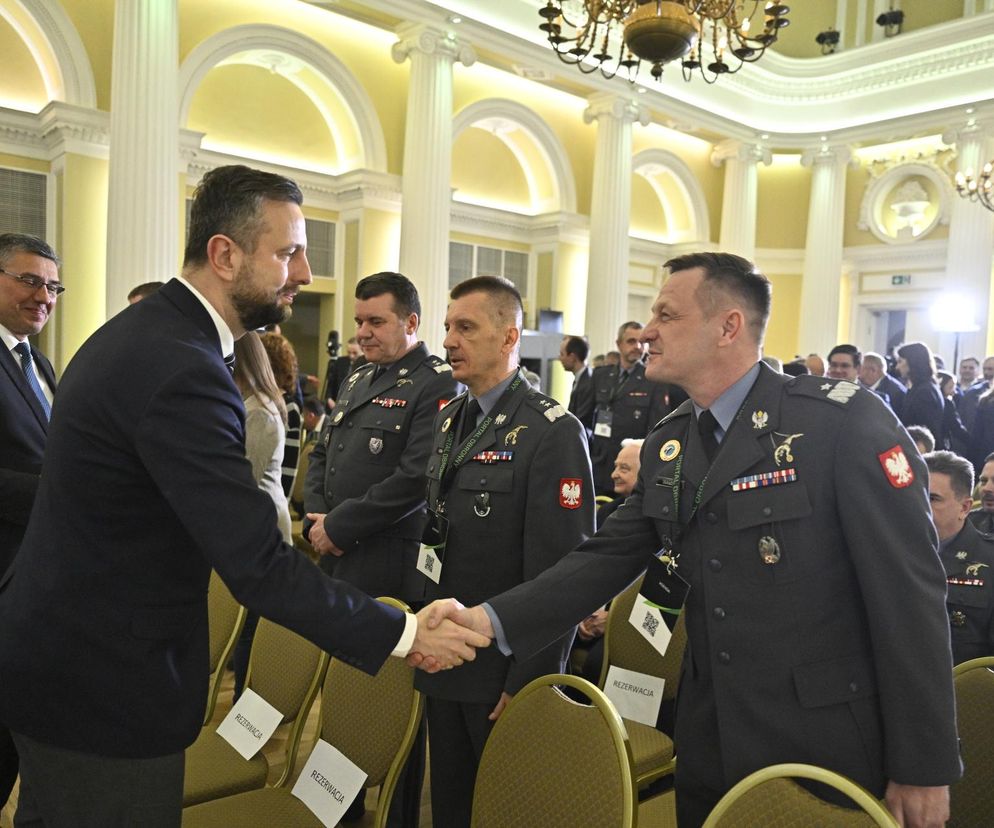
point(620, 107)
point(974, 131)
point(741, 151)
point(429, 40)
point(826, 154)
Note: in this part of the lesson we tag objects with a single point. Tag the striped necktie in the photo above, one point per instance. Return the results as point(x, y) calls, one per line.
point(27, 358)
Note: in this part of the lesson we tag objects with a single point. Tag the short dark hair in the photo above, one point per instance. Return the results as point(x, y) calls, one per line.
point(795, 368)
point(13, 243)
point(849, 350)
point(405, 296)
point(144, 289)
point(732, 275)
point(959, 470)
point(922, 434)
point(228, 201)
point(626, 325)
point(312, 405)
point(578, 347)
point(921, 365)
point(988, 459)
point(970, 359)
point(507, 307)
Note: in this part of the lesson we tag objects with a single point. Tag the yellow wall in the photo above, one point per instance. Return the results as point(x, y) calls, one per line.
point(485, 171)
point(782, 332)
point(19, 162)
point(647, 219)
point(21, 84)
point(782, 204)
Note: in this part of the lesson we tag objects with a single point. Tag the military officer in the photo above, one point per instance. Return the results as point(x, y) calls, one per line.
point(774, 499)
point(365, 491)
point(509, 488)
point(967, 556)
point(626, 405)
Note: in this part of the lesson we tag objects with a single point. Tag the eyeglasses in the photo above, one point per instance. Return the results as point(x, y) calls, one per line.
point(34, 282)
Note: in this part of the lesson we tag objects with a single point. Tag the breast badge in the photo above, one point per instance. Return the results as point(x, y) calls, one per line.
point(669, 450)
point(511, 438)
point(375, 445)
point(782, 453)
point(957, 618)
point(769, 550)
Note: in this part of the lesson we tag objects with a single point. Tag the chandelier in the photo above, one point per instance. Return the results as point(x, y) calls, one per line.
point(711, 36)
point(977, 189)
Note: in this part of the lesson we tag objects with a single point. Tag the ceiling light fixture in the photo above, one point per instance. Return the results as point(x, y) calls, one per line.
point(980, 188)
point(712, 36)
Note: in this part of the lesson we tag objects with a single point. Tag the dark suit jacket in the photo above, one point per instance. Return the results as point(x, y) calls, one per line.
point(23, 430)
point(924, 406)
point(806, 659)
point(581, 399)
point(144, 488)
point(526, 525)
point(895, 391)
point(367, 472)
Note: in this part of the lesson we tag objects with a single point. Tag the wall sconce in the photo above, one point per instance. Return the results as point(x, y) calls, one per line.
point(828, 40)
point(892, 21)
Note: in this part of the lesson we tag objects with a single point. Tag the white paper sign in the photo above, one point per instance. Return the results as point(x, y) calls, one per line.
point(429, 564)
point(250, 723)
point(635, 695)
point(329, 783)
point(602, 429)
point(648, 620)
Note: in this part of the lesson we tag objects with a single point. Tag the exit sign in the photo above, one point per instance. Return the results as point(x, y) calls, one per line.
point(903, 279)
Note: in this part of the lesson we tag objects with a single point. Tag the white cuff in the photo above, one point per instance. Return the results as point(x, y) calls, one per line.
point(407, 637)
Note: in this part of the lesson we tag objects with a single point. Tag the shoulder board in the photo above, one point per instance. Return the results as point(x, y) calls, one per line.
point(823, 388)
point(456, 398)
point(681, 410)
point(547, 406)
point(439, 365)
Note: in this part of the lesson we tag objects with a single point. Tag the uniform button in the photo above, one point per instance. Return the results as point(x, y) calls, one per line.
point(853, 687)
point(724, 657)
point(379, 421)
point(331, 470)
point(666, 510)
point(431, 468)
point(711, 517)
point(351, 424)
point(341, 447)
point(718, 613)
point(767, 511)
point(483, 481)
point(714, 565)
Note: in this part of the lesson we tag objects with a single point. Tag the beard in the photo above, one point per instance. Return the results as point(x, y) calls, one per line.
point(256, 308)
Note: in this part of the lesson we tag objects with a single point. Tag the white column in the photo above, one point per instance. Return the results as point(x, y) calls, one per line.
point(970, 249)
point(738, 204)
point(610, 210)
point(143, 204)
point(427, 187)
point(819, 328)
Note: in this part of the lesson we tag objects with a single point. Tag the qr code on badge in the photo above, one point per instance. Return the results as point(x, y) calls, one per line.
point(430, 563)
point(650, 624)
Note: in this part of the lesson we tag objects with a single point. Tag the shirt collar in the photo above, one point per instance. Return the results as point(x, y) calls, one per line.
point(9, 339)
point(488, 399)
point(728, 404)
point(224, 333)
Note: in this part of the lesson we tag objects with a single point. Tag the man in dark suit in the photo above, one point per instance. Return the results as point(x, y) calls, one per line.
point(144, 488)
point(573, 352)
point(626, 405)
point(29, 288)
point(509, 491)
point(797, 511)
point(873, 375)
point(365, 490)
point(967, 555)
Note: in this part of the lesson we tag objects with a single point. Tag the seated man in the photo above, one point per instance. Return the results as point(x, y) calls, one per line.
point(967, 556)
point(983, 518)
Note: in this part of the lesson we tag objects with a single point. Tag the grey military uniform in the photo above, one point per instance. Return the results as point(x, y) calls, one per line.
point(969, 563)
point(367, 472)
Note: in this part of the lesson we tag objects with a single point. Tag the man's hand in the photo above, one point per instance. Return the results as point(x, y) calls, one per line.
point(441, 643)
point(592, 626)
point(505, 697)
point(918, 807)
point(319, 538)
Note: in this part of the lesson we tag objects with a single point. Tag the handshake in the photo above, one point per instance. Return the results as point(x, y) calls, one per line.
point(449, 635)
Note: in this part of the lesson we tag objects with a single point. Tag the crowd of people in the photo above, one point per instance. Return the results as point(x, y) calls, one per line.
point(786, 506)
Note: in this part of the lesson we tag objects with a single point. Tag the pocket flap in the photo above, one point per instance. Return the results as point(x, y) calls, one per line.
point(966, 596)
point(835, 681)
point(773, 504)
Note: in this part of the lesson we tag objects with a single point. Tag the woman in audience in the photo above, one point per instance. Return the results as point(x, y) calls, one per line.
point(284, 362)
point(982, 432)
point(954, 433)
point(924, 404)
point(265, 429)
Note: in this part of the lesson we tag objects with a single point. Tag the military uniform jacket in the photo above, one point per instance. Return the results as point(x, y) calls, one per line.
point(632, 408)
point(522, 499)
point(969, 563)
point(816, 613)
point(366, 473)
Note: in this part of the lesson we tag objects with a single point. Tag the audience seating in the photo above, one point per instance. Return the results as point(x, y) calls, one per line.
point(286, 670)
point(970, 798)
point(225, 619)
point(771, 797)
point(553, 761)
point(373, 720)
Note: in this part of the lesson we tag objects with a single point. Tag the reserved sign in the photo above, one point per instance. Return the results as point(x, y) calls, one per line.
point(329, 783)
point(636, 696)
point(250, 723)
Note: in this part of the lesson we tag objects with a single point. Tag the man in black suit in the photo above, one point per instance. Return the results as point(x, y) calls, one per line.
point(509, 492)
point(873, 375)
point(29, 288)
point(145, 487)
point(797, 511)
point(573, 352)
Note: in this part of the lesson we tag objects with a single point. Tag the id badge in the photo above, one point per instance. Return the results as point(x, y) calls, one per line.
point(430, 562)
point(602, 425)
point(666, 588)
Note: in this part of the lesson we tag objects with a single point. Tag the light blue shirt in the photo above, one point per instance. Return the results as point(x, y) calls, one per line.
point(728, 404)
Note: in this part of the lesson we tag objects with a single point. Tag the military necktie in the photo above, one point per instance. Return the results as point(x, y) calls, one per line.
point(469, 415)
point(706, 424)
point(24, 352)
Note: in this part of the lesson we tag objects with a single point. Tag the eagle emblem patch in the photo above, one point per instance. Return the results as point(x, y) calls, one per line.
point(897, 468)
point(570, 492)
